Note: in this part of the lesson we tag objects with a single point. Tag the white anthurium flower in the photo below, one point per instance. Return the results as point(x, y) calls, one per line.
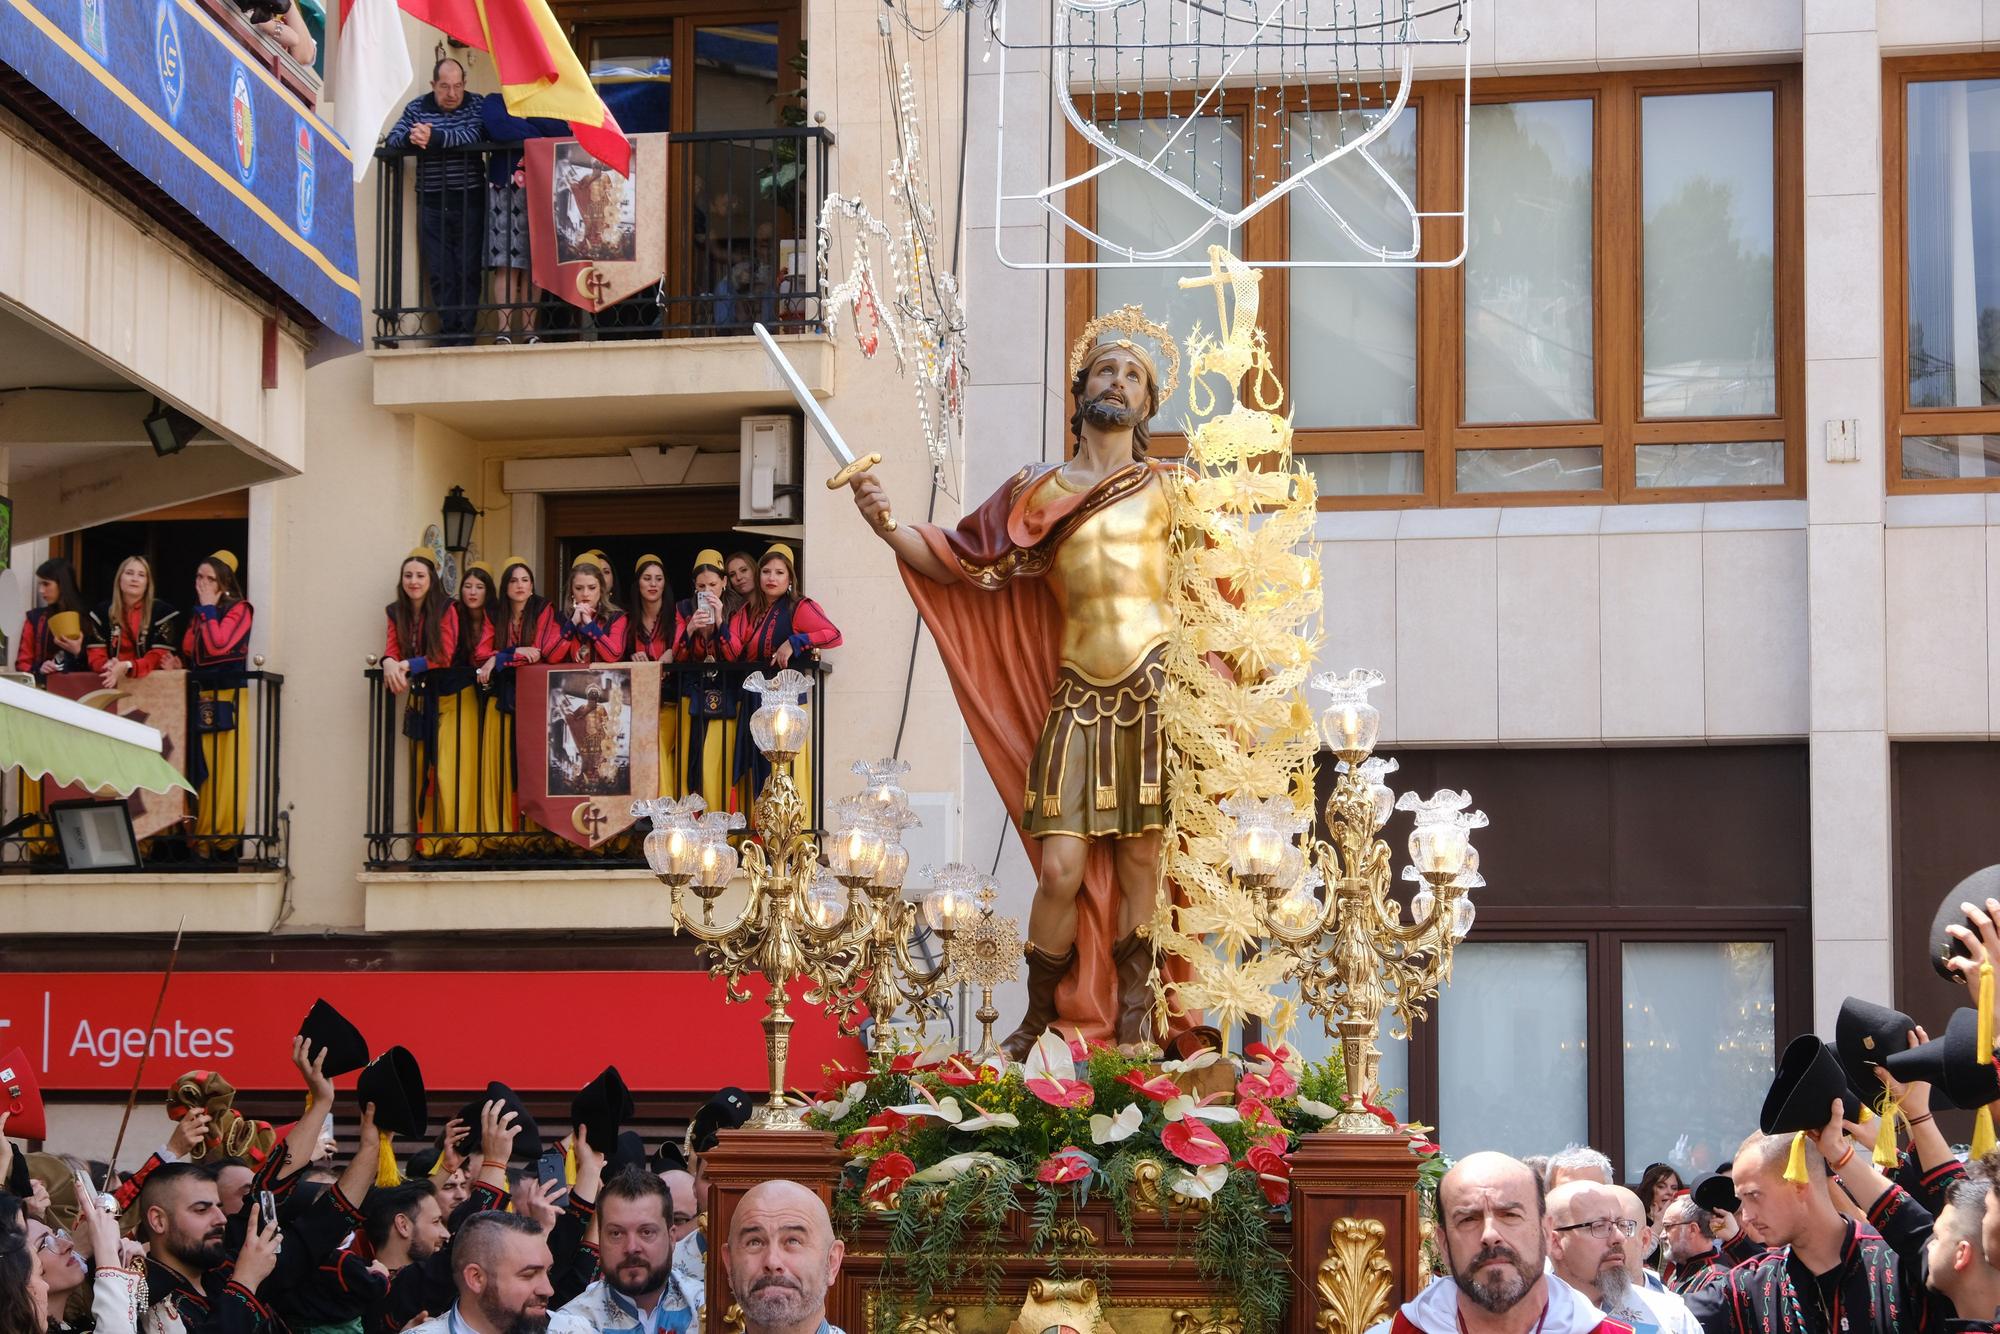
point(1319, 1109)
point(1111, 1129)
point(1049, 1058)
point(954, 1167)
point(944, 1109)
point(1200, 1184)
point(988, 1120)
point(1174, 1109)
point(937, 1053)
point(1201, 1060)
point(833, 1111)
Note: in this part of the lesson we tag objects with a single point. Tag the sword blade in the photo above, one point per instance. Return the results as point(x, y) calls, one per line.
point(807, 403)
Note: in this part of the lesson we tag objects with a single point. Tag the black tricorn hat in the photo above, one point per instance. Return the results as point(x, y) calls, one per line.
point(670, 1157)
point(629, 1151)
point(601, 1108)
point(1975, 889)
point(326, 1029)
point(1864, 1036)
point(1809, 1078)
point(396, 1086)
point(727, 1110)
point(1714, 1190)
point(1951, 1065)
point(527, 1135)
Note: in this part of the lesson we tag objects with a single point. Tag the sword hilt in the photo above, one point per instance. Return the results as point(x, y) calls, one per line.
point(853, 470)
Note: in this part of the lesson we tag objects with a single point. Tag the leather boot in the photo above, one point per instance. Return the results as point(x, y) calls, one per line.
point(1045, 971)
point(1133, 959)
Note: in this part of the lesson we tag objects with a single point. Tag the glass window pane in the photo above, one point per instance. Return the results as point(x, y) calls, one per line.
point(1736, 463)
point(1530, 469)
point(1936, 457)
point(1511, 1047)
point(1311, 1041)
point(1136, 210)
point(1396, 474)
point(1528, 317)
point(1952, 217)
point(1699, 1028)
point(1711, 323)
point(1358, 324)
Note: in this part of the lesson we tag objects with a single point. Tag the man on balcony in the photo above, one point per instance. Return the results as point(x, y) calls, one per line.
point(451, 196)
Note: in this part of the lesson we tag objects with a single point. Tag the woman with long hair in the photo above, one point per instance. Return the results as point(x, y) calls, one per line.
point(414, 641)
point(741, 571)
point(594, 630)
point(132, 633)
point(653, 625)
point(52, 634)
point(708, 691)
point(779, 627)
point(419, 643)
point(524, 632)
point(215, 645)
point(468, 629)
point(24, 1294)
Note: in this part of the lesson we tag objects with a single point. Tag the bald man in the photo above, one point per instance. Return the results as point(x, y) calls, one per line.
point(1594, 1236)
point(781, 1257)
point(1491, 1229)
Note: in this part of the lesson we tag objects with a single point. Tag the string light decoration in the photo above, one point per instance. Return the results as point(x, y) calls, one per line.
point(1143, 83)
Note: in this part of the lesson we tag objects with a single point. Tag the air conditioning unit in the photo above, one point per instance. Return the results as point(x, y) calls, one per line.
point(772, 470)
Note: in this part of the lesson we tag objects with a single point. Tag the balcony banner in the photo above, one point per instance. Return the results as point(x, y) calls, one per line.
point(157, 699)
point(171, 91)
point(596, 237)
point(586, 743)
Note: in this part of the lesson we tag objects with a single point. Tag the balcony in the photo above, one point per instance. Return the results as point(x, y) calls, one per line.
point(741, 211)
point(413, 839)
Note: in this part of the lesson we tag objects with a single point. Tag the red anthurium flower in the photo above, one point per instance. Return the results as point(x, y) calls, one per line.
point(1253, 1087)
point(839, 1076)
point(1274, 1171)
point(1061, 1092)
point(1194, 1141)
point(1283, 1085)
point(1382, 1114)
point(958, 1072)
point(1063, 1168)
point(886, 1176)
point(1278, 1055)
point(1159, 1088)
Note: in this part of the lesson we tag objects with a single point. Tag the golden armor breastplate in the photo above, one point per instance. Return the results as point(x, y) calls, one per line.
point(1110, 579)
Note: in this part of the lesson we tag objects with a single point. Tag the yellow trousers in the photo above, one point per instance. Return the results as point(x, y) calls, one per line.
point(224, 799)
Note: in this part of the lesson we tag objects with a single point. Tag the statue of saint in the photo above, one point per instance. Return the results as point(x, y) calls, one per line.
point(1050, 606)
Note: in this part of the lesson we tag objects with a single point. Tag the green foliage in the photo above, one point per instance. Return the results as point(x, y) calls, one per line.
point(946, 1235)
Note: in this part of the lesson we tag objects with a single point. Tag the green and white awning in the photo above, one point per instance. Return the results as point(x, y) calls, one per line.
point(48, 737)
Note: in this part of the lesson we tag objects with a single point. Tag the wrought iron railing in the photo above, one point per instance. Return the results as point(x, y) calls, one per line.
point(742, 216)
point(229, 750)
point(407, 753)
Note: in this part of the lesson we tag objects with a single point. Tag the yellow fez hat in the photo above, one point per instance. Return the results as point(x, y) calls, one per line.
point(66, 625)
point(521, 561)
point(484, 569)
point(780, 549)
point(587, 558)
point(710, 557)
point(645, 560)
point(424, 554)
point(224, 558)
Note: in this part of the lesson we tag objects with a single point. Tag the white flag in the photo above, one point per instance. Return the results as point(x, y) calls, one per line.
point(371, 74)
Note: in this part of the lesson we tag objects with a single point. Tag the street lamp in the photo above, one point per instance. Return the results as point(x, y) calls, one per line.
point(459, 516)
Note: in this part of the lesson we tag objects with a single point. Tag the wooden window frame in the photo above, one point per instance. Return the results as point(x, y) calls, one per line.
point(1618, 278)
point(1900, 419)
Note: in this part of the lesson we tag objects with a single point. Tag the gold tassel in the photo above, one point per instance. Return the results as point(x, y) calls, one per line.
point(1885, 1155)
point(1982, 1132)
point(1985, 1012)
point(1866, 1114)
point(386, 1171)
point(569, 1162)
point(1795, 1164)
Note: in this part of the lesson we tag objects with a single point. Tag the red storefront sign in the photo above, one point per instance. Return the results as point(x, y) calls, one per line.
point(667, 1032)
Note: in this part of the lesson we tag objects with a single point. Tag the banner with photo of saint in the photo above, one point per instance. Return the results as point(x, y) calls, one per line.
point(595, 236)
point(586, 746)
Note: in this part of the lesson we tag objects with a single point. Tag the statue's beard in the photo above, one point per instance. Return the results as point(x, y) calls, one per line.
point(1108, 414)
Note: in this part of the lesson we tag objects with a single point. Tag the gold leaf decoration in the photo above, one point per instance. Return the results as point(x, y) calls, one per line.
point(1354, 1278)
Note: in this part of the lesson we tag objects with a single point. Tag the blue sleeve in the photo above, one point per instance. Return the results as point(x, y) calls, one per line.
point(399, 135)
point(464, 128)
point(208, 613)
point(417, 664)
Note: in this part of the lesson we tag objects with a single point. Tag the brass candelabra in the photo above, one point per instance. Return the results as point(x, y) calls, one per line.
point(1352, 954)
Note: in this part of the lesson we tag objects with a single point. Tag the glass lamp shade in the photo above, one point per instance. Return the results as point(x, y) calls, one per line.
point(1291, 867)
point(895, 866)
point(1256, 851)
point(779, 725)
point(881, 788)
point(948, 908)
point(1439, 849)
point(715, 863)
point(826, 901)
point(1295, 911)
point(1462, 913)
point(1350, 724)
point(1422, 904)
point(855, 850)
point(673, 851)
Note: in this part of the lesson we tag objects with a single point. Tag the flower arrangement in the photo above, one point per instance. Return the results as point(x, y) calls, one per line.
point(948, 1148)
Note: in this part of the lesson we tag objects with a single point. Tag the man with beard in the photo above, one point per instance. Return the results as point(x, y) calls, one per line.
point(193, 1285)
point(500, 1266)
point(1492, 1229)
point(1594, 1244)
point(1956, 1266)
point(1826, 1274)
point(1695, 1260)
point(635, 1247)
point(781, 1257)
point(1058, 589)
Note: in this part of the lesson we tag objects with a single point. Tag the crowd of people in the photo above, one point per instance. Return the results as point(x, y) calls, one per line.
point(454, 659)
point(1822, 1223)
point(135, 632)
point(236, 1227)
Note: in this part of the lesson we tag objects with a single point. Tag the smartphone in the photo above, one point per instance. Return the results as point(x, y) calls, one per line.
point(267, 1208)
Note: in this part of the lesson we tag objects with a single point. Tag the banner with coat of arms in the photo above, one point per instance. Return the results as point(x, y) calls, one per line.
point(596, 237)
point(586, 746)
point(157, 699)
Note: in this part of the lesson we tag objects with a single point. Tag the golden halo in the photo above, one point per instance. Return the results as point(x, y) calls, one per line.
point(1131, 320)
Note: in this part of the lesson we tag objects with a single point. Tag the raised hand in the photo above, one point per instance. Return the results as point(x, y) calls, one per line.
point(536, 1202)
point(190, 1134)
point(312, 1069)
point(449, 1157)
point(872, 500)
point(259, 1255)
point(498, 1128)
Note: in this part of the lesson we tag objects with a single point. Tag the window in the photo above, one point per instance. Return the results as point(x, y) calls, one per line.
point(1700, 1017)
point(1941, 123)
point(1529, 1093)
point(1626, 324)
